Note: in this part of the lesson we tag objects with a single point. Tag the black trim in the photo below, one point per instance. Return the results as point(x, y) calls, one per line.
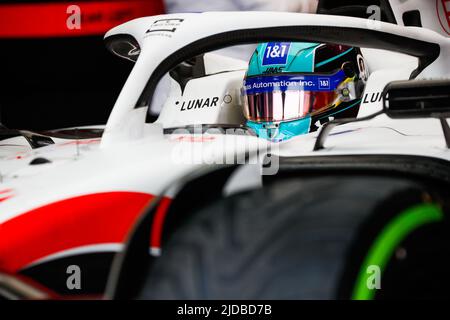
point(123, 45)
point(426, 52)
point(446, 130)
point(188, 70)
point(74, 134)
point(44, 138)
point(417, 99)
point(386, 9)
point(162, 30)
point(356, 8)
point(35, 140)
point(39, 161)
point(95, 268)
point(423, 167)
point(412, 18)
point(170, 19)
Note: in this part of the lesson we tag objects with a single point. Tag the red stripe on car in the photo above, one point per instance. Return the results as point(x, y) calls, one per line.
point(5, 198)
point(5, 191)
point(158, 223)
point(40, 20)
point(71, 223)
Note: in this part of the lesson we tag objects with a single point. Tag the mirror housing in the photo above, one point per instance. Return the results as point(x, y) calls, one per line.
point(417, 99)
point(406, 100)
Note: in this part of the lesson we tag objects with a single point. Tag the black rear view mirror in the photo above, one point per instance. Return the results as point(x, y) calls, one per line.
point(406, 100)
point(419, 99)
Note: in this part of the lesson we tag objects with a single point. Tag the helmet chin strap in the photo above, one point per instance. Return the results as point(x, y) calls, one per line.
point(272, 133)
point(272, 130)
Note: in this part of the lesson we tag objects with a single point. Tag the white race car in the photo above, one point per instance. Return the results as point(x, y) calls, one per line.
point(212, 210)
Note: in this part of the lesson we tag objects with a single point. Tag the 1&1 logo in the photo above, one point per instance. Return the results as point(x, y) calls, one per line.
point(276, 53)
point(324, 84)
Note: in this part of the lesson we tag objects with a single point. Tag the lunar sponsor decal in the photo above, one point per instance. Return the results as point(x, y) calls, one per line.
point(164, 27)
point(198, 103)
point(372, 97)
point(443, 13)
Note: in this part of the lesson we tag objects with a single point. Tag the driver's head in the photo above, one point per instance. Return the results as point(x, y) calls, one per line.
point(291, 88)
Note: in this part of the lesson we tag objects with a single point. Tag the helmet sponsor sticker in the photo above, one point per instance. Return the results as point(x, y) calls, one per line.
point(276, 53)
point(255, 85)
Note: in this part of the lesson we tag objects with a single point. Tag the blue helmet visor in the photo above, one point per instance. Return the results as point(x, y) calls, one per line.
point(276, 98)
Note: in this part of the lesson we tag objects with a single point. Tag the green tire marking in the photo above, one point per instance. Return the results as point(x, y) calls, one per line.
point(388, 240)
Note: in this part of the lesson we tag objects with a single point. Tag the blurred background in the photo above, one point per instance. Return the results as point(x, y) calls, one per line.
point(55, 71)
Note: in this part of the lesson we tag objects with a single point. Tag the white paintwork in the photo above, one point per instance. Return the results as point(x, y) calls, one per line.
point(134, 156)
point(431, 11)
point(245, 178)
point(390, 60)
point(156, 46)
point(146, 165)
point(215, 63)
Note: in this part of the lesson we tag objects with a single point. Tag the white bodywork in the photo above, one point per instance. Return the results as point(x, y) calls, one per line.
point(135, 156)
point(435, 14)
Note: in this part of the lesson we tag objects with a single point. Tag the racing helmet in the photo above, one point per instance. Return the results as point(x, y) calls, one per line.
point(292, 88)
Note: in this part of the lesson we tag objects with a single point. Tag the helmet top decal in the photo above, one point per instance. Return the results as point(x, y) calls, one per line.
point(276, 53)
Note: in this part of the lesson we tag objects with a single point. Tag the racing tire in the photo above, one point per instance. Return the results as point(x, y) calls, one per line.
point(295, 239)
